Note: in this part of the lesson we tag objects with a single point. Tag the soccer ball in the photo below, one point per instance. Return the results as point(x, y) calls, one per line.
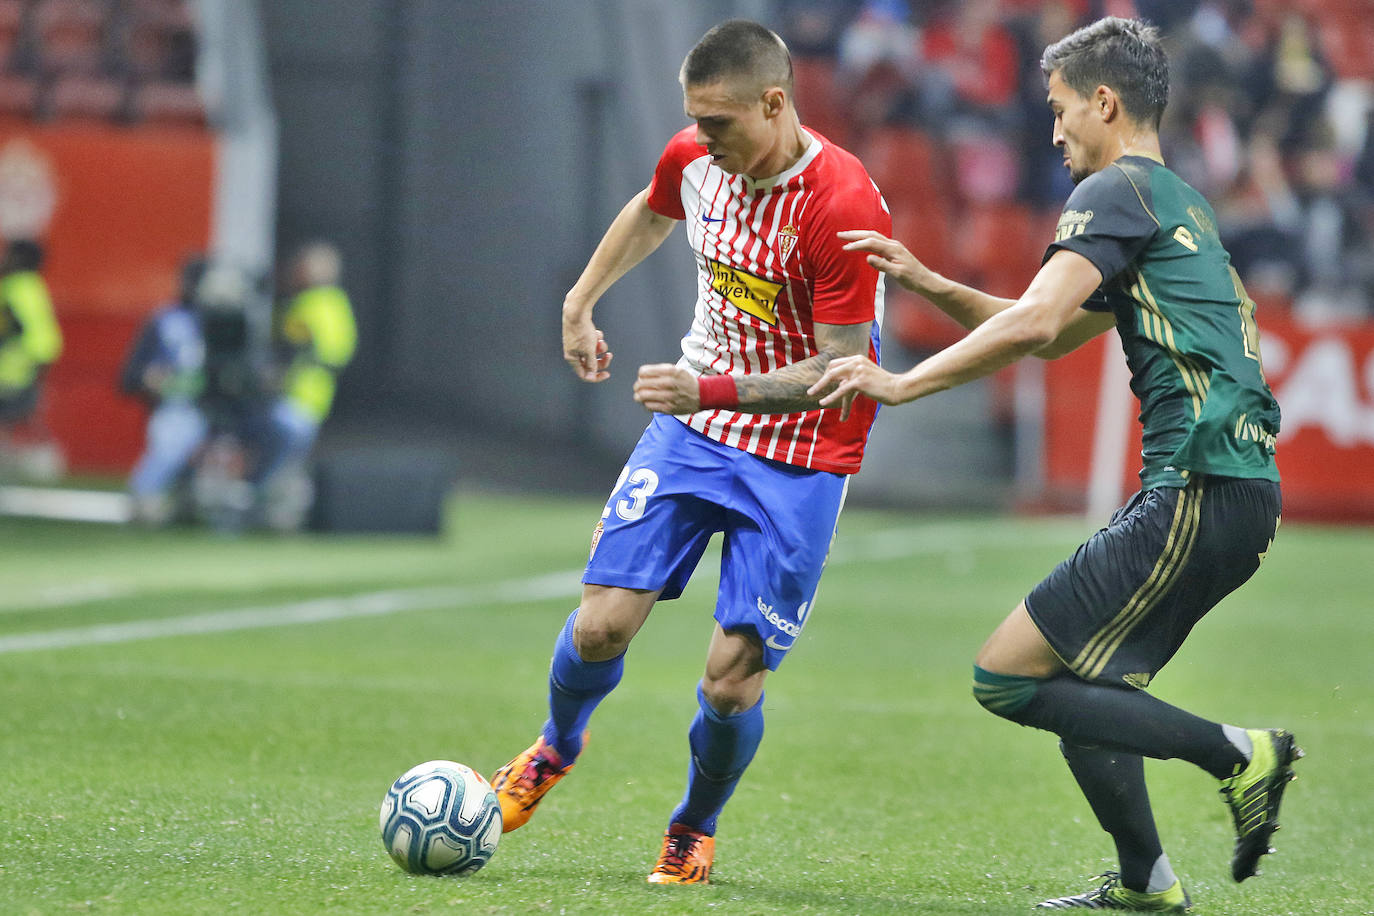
point(441, 818)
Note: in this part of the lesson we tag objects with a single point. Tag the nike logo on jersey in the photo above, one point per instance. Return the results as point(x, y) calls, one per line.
point(772, 643)
point(713, 219)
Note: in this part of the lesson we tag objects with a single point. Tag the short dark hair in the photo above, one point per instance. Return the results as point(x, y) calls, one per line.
point(1124, 54)
point(739, 48)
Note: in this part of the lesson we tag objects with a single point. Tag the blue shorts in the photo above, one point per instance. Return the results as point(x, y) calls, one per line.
point(679, 488)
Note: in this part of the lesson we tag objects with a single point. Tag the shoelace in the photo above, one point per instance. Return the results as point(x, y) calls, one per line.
point(535, 772)
point(677, 851)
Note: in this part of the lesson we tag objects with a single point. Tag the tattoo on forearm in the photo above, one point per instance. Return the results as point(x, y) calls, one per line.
point(784, 390)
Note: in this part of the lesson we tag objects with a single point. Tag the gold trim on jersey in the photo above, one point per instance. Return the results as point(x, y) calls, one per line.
point(745, 291)
point(1178, 547)
point(1138, 196)
point(1156, 327)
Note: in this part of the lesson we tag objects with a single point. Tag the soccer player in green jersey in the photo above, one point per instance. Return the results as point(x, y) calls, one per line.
point(1136, 249)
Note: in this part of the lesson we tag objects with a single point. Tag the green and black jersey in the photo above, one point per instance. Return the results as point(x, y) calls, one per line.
point(1186, 324)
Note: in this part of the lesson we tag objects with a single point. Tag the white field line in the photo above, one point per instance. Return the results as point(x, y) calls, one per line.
point(891, 544)
point(67, 594)
point(316, 610)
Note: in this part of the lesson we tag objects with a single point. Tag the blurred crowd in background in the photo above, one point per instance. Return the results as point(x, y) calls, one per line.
point(128, 61)
point(1269, 116)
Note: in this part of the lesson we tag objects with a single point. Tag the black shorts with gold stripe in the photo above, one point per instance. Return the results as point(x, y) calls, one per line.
point(1120, 607)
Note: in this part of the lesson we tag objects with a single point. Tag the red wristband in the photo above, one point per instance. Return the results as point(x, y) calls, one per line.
point(717, 391)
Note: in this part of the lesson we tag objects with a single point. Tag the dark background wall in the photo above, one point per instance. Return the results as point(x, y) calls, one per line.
point(467, 155)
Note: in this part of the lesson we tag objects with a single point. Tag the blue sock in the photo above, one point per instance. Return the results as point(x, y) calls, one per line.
point(575, 689)
point(722, 747)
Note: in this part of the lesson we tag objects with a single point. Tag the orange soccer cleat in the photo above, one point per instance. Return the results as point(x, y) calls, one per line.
point(686, 857)
point(522, 783)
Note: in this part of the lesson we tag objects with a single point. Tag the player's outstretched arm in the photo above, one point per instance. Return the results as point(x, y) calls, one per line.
point(966, 305)
point(1045, 317)
point(666, 388)
point(633, 235)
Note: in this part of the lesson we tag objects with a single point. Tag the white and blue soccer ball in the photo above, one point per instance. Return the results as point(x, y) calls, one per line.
point(441, 818)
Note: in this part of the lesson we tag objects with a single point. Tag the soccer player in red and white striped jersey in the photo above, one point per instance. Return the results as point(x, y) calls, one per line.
point(769, 273)
point(736, 445)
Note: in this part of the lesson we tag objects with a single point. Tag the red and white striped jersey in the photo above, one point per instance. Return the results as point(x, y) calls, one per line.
point(770, 269)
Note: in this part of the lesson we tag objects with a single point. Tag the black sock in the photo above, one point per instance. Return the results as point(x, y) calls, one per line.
point(1114, 784)
point(1129, 720)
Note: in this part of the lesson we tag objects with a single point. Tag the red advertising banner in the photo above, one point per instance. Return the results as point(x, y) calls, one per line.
point(117, 210)
point(1323, 377)
point(1324, 381)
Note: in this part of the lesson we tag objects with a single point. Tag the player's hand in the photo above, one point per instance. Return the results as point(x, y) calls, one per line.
point(585, 348)
point(890, 256)
point(850, 376)
point(665, 388)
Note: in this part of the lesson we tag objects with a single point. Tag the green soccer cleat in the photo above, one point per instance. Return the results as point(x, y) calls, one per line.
point(1112, 896)
point(1254, 793)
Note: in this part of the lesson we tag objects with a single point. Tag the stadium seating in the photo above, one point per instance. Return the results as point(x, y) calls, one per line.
point(11, 27)
point(119, 61)
point(818, 100)
point(69, 36)
point(85, 96)
point(997, 246)
point(168, 103)
point(906, 163)
point(18, 96)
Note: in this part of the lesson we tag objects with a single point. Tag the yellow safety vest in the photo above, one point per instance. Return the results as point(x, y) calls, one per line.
point(320, 321)
point(24, 299)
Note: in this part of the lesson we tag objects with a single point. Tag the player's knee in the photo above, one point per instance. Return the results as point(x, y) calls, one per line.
point(1003, 694)
point(597, 640)
point(729, 695)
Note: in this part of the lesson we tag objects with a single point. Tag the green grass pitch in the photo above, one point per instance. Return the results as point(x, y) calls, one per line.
point(193, 724)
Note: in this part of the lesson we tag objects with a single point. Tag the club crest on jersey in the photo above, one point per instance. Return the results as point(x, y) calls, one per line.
point(746, 292)
point(787, 240)
point(596, 537)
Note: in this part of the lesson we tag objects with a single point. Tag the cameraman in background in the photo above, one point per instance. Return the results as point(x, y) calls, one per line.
point(194, 364)
point(166, 369)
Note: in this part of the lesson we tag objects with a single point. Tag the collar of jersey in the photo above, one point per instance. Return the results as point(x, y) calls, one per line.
point(813, 149)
